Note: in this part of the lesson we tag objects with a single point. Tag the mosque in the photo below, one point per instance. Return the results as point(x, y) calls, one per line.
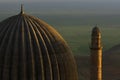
point(31, 49)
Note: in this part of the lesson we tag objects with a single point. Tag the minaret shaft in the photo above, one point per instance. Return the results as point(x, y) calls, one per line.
point(96, 55)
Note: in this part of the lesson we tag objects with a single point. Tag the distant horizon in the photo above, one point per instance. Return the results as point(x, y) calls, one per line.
point(59, 0)
point(63, 7)
point(88, 1)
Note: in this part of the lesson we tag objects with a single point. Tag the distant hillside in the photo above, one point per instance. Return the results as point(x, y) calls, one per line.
point(111, 65)
point(113, 53)
point(83, 67)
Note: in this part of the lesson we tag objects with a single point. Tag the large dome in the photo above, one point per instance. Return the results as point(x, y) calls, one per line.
point(30, 49)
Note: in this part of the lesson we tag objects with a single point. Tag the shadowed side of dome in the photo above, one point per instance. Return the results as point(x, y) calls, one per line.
point(30, 49)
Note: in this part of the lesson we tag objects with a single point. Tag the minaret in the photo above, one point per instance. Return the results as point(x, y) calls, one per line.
point(96, 55)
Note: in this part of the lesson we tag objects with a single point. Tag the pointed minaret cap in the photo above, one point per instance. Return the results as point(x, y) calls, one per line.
point(95, 31)
point(22, 11)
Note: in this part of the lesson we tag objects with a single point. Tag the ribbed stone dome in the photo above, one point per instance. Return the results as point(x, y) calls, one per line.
point(30, 49)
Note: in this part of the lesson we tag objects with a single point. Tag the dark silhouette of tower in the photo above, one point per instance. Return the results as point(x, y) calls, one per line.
point(96, 55)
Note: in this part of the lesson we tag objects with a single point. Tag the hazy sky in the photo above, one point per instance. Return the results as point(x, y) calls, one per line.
point(56, 0)
point(65, 6)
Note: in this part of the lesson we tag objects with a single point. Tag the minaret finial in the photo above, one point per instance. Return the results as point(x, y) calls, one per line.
point(22, 12)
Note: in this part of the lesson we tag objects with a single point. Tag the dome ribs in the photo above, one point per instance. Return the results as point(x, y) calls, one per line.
point(30, 53)
point(57, 40)
point(22, 55)
point(4, 29)
point(46, 57)
point(54, 56)
point(3, 49)
point(16, 52)
point(54, 64)
point(39, 70)
point(2, 24)
point(5, 23)
point(40, 41)
point(9, 51)
point(59, 56)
